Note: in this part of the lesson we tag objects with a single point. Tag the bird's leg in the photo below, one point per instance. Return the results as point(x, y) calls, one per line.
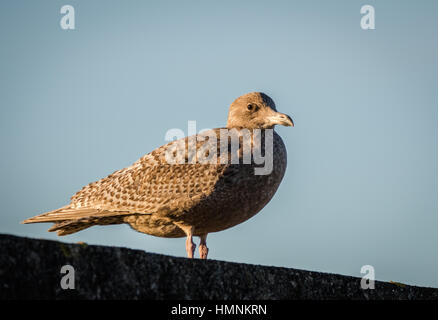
point(190, 245)
point(203, 250)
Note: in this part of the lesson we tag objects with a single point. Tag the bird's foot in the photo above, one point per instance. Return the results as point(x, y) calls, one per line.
point(203, 251)
point(190, 247)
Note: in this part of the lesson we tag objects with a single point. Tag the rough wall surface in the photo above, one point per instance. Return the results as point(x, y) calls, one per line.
point(30, 269)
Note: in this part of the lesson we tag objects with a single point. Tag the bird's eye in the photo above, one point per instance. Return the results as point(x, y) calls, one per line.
point(250, 107)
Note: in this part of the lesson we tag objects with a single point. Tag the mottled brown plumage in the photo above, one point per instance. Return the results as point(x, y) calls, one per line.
point(193, 198)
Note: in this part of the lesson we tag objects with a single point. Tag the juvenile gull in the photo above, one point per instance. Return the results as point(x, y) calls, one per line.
point(190, 197)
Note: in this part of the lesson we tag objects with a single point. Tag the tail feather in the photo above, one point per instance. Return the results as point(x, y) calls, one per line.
point(69, 227)
point(68, 213)
point(69, 220)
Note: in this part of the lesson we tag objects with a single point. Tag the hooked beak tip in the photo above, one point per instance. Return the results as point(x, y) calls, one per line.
point(282, 119)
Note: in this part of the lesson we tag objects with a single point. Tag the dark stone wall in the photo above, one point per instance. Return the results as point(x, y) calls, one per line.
point(30, 269)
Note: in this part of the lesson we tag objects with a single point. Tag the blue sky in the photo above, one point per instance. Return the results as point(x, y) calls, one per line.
point(362, 177)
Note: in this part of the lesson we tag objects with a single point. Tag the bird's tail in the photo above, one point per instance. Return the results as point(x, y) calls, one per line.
point(69, 220)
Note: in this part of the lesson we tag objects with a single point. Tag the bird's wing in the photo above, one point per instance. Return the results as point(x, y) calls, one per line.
point(151, 185)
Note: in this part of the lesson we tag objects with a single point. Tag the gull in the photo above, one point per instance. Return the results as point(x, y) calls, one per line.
point(173, 192)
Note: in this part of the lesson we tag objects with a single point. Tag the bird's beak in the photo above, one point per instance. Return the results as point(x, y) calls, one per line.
point(281, 119)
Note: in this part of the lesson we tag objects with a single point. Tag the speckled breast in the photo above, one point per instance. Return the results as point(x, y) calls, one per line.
point(240, 194)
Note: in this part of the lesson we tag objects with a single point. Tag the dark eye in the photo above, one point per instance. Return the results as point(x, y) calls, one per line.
point(251, 107)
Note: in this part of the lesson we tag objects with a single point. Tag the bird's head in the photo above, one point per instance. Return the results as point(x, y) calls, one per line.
point(256, 110)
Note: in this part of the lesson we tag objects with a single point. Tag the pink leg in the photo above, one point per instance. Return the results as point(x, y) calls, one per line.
point(190, 245)
point(203, 250)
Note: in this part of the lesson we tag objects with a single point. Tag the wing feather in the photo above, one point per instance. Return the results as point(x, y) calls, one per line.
point(151, 185)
